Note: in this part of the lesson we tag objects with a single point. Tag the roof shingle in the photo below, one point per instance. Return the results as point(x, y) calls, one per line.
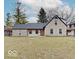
point(30, 26)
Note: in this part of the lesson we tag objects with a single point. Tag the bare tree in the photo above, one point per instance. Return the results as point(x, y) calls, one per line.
point(67, 15)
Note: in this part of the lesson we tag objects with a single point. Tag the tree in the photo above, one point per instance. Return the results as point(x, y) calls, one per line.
point(8, 21)
point(64, 12)
point(42, 16)
point(19, 16)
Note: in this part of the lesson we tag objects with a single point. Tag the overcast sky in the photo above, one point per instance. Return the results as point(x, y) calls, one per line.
point(32, 6)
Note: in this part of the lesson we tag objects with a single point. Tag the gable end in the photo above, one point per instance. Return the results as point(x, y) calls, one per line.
point(56, 16)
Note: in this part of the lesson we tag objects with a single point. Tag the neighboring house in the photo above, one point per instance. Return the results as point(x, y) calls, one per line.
point(55, 27)
point(7, 31)
point(71, 29)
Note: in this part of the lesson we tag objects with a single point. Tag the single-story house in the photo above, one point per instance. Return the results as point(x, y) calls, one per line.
point(55, 27)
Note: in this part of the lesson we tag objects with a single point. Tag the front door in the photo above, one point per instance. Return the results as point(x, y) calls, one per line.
point(41, 32)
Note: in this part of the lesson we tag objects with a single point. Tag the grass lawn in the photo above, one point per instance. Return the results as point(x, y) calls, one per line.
point(40, 47)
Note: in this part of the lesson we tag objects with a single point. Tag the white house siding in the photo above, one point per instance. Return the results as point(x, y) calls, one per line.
point(34, 33)
point(55, 28)
point(19, 32)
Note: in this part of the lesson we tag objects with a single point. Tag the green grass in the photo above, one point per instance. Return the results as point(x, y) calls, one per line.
point(40, 47)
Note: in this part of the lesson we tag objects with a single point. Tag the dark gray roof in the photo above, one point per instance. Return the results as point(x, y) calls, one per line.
point(29, 26)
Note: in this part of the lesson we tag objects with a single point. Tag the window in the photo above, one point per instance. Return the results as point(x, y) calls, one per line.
point(55, 22)
point(36, 31)
point(60, 31)
point(30, 31)
point(19, 33)
point(51, 31)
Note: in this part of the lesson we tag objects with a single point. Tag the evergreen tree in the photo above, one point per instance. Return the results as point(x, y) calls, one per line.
point(19, 15)
point(42, 16)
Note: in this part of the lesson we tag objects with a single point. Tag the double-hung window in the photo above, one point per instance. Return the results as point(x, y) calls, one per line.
point(60, 31)
point(51, 31)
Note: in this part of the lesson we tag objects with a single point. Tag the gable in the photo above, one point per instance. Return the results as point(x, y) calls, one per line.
point(56, 18)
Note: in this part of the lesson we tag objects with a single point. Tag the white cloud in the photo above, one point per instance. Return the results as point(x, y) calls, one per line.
point(43, 3)
point(32, 19)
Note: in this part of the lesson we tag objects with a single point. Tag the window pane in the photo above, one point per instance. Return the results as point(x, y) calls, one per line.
point(36, 31)
point(51, 31)
point(60, 31)
point(55, 22)
point(30, 32)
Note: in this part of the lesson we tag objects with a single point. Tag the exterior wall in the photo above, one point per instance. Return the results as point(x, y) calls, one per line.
point(34, 33)
point(19, 32)
point(55, 28)
point(25, 33)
